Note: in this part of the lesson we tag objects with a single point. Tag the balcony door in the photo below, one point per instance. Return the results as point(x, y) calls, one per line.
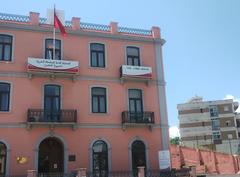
point(52, 100)
point(135, 105)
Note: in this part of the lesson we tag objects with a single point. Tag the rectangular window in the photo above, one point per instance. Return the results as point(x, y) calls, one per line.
point(215, 124)
point(49, 49)
point(52, 100)
point(4, 96)
point(135, 100)
point(99, 100)
point(5, 47)
point(216, 136)
point(133, 57)
point(213, 111)
point(97, 52)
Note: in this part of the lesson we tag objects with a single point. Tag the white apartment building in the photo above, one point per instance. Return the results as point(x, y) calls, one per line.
point(209, 124)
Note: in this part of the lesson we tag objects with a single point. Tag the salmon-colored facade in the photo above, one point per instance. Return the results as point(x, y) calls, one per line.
point(86, 122)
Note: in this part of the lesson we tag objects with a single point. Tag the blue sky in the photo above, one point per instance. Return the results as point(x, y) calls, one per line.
point(202, 53)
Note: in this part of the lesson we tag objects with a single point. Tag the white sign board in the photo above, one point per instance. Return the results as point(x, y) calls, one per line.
point(164, 159)
point(66, 66)
point(136, 71)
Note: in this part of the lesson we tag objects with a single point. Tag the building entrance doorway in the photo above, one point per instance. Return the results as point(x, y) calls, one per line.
point(51, 156)
point(138, 155)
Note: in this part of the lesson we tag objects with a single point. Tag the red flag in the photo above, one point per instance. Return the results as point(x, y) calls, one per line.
point(58, 24)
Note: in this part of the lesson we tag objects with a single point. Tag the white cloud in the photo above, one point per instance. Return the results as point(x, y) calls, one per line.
point(174, 132)
point(229, 96)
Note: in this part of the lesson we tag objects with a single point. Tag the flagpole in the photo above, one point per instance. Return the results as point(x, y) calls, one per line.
point(54, 33)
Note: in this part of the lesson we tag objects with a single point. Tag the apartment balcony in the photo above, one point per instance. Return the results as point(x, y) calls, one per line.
point(41, 117)
point(135, 73)
point(137, 119)
point(52, 68)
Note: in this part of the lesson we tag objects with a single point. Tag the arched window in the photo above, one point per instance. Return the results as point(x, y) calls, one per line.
point(100, 159)
point(3, 158)
point(138, 155)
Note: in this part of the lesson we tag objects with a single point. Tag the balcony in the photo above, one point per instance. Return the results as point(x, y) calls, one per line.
point(52, 119)
point(52, 68)
point(136, 119)
point(135, 73)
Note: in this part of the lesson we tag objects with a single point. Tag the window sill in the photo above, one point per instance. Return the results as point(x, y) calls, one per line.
point(6, 62)
point(99, 114)
point(6, 112)
point(98, 68)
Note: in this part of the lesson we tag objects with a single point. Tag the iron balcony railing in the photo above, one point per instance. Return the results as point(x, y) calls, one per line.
point(138, 117)
point(41, 115)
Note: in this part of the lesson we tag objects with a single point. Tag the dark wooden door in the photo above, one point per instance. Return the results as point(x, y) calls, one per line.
point(50, 158)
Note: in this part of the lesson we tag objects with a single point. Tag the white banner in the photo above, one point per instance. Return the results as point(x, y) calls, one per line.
point(39, 64)
point(136, 71)
point(164, 159)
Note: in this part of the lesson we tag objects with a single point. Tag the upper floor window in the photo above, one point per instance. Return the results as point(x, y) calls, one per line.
point(216, 135)
point(215, 124)
point(97, 52)
point(52, 101)
point(4, 96)
point(213, 111)
point(133, 57)
point(135, 100)
point(99, 100)
point(5, 47)
point(49, 49)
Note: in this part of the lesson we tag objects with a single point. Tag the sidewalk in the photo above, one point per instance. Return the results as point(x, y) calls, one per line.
point(235, 175)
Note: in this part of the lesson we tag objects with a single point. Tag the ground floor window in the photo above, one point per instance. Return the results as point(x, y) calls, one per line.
point(100, 159)
point(3, 158)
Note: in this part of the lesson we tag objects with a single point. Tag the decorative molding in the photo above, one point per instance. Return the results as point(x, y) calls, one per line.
point(76, 77)
point(118, 36)
point(80, 125)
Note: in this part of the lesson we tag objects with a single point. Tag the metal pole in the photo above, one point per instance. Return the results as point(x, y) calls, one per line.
point(197, 141)
point(229, 140)
point(54, 31)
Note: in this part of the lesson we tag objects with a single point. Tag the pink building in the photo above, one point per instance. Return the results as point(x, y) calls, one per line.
point(99, 104)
